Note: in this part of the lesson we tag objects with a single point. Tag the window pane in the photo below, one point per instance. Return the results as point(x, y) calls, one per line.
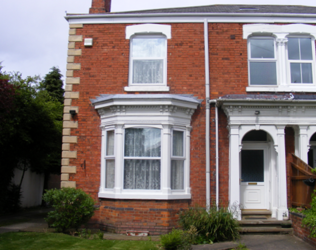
point(144, 142)
point(177, 143)
point(306, 49)
point(147, 71)
point(262, 48)
point(295, 73)
point(293, 48)
point(148, 47)
point(307, 73)
point(142, 174)
point(263, 73)
point(252, 165)
point(110, 174)
point(110, 143)
point(177, 175)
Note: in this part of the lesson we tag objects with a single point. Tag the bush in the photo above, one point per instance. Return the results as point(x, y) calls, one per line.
point(10, 199)
point(73, 207)
point(176, 239)
point(310, 217)
point(213, 225)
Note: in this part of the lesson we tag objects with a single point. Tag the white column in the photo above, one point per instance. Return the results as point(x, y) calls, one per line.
point(234, 169)
point(187, 161)
point(303, 143)
point(102, 179)
point(282, 197)
point(281, 58)
point(165, 159)
point(119, 161)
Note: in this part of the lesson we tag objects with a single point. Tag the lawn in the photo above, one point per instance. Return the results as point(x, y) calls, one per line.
point(47, 241)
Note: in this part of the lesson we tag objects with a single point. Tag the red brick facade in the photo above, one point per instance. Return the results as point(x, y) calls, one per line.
point(105, 70)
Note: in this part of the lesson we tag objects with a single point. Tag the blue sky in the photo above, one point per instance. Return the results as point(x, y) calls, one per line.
point(34, 33)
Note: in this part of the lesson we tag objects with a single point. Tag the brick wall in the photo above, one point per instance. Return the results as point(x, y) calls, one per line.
point(104, 70)
point(300, 231)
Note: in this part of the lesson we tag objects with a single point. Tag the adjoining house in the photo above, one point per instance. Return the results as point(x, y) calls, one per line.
point(169, 108)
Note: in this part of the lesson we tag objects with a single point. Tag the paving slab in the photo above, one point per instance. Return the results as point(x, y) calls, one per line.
point(261, 242)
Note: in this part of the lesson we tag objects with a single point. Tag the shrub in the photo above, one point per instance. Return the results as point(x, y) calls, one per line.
point(310, 217)
point(72, 208)
point(176, 239)
point(213, 225)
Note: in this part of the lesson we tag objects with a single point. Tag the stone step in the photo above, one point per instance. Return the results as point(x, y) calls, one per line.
point(255, 214)
point(265, 223)
point(265, 230)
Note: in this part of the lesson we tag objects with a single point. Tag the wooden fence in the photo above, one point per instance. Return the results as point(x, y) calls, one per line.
point(302, 183)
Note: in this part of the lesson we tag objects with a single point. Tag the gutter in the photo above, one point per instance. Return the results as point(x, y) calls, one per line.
point(207, 115)
point(140, 15)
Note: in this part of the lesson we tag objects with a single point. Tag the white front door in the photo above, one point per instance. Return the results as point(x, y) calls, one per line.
point(254, 175)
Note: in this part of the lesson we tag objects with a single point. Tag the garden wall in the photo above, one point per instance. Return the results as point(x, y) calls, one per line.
point(300, 231)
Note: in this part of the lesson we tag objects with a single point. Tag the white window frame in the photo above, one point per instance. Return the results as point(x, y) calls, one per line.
point(181, 158)
point(281, 34)
point(312, 61)
point(251, 59)
point(163, 58)
point(148, 31)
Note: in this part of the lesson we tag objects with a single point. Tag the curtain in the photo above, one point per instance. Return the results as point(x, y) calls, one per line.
point(177, 174)
point(142, 173)
point(110, 174)
point(148, 71)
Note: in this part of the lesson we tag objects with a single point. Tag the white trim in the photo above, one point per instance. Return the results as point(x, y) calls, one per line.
point(276, 88)
point(147, 88)
point(301, 29)
point(192, 18)
point(148, 29)
point(150, 196)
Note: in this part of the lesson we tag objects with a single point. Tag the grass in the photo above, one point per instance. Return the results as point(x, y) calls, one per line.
point(48, 241)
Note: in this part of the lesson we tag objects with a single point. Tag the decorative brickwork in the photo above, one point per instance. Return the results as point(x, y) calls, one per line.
point(69, 123)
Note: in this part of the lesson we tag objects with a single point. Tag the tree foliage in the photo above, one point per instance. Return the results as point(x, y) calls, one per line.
point(30, 129)
point(54, 85)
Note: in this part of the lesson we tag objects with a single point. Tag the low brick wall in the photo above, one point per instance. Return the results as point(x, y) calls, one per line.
point(299, 230)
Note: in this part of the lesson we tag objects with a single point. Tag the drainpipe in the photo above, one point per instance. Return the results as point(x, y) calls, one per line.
point(207, 115)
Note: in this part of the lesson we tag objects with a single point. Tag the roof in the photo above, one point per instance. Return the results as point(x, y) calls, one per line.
point(292, 9)
point(145, 97)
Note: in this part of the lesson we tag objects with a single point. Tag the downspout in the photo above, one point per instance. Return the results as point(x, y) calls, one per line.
point(207, 115)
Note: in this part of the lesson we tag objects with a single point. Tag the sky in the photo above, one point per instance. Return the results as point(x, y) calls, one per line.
point(34, 33)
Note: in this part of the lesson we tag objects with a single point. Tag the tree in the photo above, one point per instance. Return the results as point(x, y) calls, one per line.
point(54, 85)
point(30, 130)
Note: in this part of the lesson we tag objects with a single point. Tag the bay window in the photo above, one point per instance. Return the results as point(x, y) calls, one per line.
point(145, 145)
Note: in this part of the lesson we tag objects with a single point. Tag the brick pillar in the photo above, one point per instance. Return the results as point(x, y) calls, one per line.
point(100, 6)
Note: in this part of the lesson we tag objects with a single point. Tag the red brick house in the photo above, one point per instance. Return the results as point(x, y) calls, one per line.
point(169, 108)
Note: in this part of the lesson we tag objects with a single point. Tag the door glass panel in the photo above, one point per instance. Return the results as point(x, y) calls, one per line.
point(252, 169)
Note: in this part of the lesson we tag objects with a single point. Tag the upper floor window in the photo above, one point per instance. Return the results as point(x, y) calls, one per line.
point(148, 57)
point(281, 57)
point(300, 55)
point(262, 61)
point(148, 60)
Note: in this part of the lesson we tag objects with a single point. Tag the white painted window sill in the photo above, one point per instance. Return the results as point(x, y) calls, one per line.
point(289, 88)
point(147, 88)
point(145, 196)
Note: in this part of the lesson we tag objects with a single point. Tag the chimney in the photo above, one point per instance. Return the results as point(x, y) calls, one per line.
point(100, 6)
